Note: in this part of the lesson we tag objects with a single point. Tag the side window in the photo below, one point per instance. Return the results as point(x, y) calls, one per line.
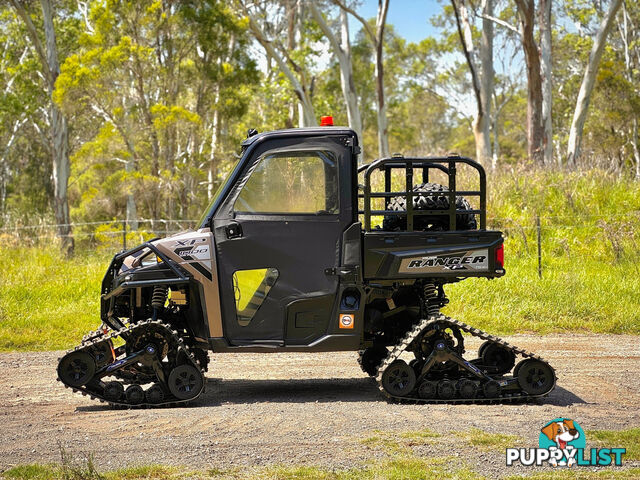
point(251, 287)
point(292, 182)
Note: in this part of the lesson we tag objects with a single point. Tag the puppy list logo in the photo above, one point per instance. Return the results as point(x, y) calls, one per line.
point(562, 443)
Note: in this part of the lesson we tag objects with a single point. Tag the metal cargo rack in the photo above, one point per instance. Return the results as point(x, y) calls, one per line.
point(425, 164)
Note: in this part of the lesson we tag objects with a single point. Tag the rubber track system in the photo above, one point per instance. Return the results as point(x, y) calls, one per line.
point(414, 332)
point(92, 389)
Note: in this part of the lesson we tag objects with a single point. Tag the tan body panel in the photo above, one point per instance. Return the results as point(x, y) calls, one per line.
point(202, 257)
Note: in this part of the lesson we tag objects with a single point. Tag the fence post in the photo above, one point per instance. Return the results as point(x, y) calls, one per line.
point(124, 234)
point(539, 246)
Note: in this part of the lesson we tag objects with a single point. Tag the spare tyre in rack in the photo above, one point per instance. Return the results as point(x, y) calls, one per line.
point(429, 196)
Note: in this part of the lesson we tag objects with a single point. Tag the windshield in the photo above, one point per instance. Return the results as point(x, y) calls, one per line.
point(216, 195)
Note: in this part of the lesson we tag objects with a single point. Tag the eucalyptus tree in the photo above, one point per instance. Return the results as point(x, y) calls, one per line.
point(341, 47)
point(44, 43)
point(481, 69)
point(159, 79)
point(588, 82)
point(279, 27)
point(376, 35)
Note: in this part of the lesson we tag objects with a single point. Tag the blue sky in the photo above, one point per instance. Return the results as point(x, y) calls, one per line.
point(410, 18)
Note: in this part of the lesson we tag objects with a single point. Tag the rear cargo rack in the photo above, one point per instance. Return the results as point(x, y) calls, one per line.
point(425, 164)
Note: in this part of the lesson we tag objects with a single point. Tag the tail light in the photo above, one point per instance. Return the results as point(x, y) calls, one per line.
point(500, 257)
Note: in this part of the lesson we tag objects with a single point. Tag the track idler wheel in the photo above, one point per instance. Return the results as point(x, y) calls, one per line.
point(446, 389)
point(467, 388)
point(134, 394)
point(154, 394)
point(185, 382)
point(76, 368)
point(535, 377)
point(491, 389)
point(113, 391)
point(500, 358)
point(399, 379)
point(428, 390)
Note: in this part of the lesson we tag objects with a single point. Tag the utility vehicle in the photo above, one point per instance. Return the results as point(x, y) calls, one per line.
point(302, 250)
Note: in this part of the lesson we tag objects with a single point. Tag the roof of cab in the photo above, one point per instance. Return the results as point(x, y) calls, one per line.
point(303, 132)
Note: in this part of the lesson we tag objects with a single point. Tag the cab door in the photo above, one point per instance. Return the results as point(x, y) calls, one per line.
point(277, 233)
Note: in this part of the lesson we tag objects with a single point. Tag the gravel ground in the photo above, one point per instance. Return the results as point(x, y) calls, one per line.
point(314, 409)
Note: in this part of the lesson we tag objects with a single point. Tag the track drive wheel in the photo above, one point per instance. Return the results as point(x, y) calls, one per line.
point(446, 389)
point(399, 379)
point(185, 382)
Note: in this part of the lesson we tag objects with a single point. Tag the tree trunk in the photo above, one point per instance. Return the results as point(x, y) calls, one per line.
point(588, 82)
point(535, 130)
point(496, 141)
point(634, 144)
point(482, 82)
point(547, 79)
point(131, 211)
point(59, 137)
point(629, 74)
point(347, 81)
point(383, 125)
point(342, 51)
point(483, 144)
point(307, 112)
point(377, 40)
point(213, 167)
point(59, 134)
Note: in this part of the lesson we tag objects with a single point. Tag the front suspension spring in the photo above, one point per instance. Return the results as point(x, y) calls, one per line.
point(159, 296)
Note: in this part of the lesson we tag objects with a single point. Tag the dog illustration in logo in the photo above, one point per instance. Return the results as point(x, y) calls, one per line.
point(561, 433)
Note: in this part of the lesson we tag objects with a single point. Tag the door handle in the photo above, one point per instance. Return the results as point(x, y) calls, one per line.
point(233, 230)
point(344, 271)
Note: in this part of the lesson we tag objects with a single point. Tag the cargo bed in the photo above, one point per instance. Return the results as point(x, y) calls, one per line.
point(407, 254)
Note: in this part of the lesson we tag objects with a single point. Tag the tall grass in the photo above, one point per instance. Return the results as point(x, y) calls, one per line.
point(590, 278)
point(590, 229)
point(46, 301)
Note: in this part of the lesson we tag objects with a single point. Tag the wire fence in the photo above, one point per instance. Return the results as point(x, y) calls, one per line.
point(120, 233)
point(164, 226)
point(108, 233)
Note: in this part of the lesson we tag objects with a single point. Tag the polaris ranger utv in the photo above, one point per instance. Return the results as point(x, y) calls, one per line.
point(285, 260)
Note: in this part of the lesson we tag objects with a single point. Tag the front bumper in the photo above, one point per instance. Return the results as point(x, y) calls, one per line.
point(116, 281)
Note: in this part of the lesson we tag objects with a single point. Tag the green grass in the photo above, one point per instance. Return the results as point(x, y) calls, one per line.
point(399, 464)
point(33, 472)
point(574, 295)
point(488, 441)
point(48, 302)
point(628, 438)
point(399, 468)
point(590, 282)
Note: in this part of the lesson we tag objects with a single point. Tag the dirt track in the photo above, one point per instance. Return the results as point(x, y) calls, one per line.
point(304, 408)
